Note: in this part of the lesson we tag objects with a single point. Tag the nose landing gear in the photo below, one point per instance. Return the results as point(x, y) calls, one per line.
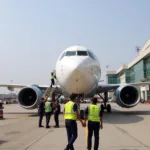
point(107, 107)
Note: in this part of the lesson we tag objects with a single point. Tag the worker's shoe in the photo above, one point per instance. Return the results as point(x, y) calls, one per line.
point(47, 126)
point(41, 126)
point(56, 126)
point(69, 149)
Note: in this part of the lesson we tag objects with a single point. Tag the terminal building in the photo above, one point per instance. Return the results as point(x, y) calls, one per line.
point(137, 70)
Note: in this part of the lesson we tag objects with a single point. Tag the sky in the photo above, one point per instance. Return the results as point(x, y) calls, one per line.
point(33, 33)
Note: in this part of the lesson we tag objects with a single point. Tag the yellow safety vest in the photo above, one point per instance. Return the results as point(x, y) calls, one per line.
point(48, 107)
point(52, 77)
point(93, 113)
point(69, 113)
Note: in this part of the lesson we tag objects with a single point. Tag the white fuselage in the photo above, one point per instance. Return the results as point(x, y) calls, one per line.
point(77, 71)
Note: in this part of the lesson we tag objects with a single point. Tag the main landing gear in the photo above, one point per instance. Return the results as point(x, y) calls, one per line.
point(105, 106)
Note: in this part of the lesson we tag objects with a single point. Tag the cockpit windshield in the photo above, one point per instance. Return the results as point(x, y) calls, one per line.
point(62, 55)
point(91, 55)
point(82, 53)
point(70, 53)
point(77, 53)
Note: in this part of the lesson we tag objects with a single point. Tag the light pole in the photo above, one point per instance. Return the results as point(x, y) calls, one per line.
point(107, 66)
point(11, 81)
point(137, 49)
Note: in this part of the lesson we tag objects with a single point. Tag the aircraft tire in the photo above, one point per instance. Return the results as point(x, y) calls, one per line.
point(102, 107)
point(108, 108)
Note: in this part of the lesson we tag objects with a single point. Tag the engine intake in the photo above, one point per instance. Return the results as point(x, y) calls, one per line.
point(29, 97)
point(127, 96)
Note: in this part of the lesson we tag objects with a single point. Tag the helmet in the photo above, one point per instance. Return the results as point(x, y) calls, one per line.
point(49, 99)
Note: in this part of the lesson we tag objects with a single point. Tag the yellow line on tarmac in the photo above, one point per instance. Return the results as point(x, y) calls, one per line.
point(86, 135)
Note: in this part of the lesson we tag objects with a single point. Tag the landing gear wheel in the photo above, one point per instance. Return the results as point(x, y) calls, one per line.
point(108, 108)
point(102, 107)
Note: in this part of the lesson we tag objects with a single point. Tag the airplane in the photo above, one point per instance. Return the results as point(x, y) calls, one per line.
point(78, 72)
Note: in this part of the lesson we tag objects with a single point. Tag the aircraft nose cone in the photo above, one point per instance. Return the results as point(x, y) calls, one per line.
point(77, 78)
point(75, 69)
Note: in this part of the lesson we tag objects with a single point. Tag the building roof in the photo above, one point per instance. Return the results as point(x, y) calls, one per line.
point(145, 52)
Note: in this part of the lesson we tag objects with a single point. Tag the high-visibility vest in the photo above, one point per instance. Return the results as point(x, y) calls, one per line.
point(69, 112)
point(52, 77)
point(93, 113)
point(48, 108)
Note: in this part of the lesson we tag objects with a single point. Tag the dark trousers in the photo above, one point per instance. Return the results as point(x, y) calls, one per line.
point(48, 116)
point(93, 127)
point(40, 118)
point(71, 128)
point(56, 118)
point(52, 82)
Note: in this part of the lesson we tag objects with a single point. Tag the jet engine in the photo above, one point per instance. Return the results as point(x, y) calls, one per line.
point(127, 96)
point(29, 97)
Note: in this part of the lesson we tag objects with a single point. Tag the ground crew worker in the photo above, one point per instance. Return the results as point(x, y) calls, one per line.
point(41, 111)
point(52, 79)
point(57, 110)
point(48, 112)
point(95, 122)
point(71, 115)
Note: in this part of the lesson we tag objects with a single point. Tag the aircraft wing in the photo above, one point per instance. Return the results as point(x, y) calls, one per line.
point(11, 87)
point(111, 87)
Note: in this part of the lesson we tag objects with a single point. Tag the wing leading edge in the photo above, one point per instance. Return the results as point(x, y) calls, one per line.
point(11, 87)
point(111, 87)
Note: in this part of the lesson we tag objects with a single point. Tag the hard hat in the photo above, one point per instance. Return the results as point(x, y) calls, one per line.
point(49, 99)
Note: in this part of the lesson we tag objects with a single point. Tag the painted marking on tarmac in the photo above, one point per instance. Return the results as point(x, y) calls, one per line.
point(86, 134)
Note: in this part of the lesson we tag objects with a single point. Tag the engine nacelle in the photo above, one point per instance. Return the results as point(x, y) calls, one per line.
point(127, 96)
point(29, 97)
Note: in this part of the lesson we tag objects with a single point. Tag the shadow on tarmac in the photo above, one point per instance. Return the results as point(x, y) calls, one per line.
point(33, 115)
point(124, 117)
point(13, 113)
point(2, 142)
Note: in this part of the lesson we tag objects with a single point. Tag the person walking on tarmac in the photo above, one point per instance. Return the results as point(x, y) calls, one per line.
point(41, 111)
point(48, 112)
point(52, 79)
point(57, 110)
point(71, 115)
point(95, 122)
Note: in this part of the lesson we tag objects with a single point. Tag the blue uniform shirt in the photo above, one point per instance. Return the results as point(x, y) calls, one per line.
point(41, 107)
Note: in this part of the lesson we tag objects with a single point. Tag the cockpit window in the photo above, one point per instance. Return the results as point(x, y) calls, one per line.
point(91, 55)
point(62, 55)
point(71, 53)
point(82, 53)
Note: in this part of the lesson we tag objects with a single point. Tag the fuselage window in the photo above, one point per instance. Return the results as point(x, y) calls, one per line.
point(71, 53)
point(91, 55)
point(82, 53)
point(62, 55)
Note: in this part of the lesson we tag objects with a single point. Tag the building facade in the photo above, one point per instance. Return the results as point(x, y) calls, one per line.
point(136, 71)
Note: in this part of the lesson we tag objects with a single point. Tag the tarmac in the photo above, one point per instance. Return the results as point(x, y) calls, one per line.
point(124, 129)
